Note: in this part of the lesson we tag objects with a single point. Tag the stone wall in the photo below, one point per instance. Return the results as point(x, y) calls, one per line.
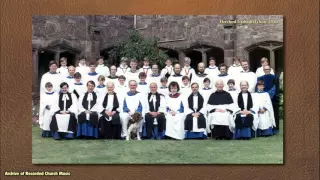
point(270, 28)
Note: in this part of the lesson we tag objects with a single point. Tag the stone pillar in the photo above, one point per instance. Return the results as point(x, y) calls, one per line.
point(57, 56)
point(182, 55)
point(35, 67)
point(272, 59)
point(204, 58)
point(229, 39)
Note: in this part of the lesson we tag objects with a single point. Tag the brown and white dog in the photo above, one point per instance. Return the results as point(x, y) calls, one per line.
point(134, 126)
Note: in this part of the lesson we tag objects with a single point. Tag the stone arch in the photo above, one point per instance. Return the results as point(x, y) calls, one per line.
point(174, 54)
point(202, 52)
point(268, 49)
point(105, 54)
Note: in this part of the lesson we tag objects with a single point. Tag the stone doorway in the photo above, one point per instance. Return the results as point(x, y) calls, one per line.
point(255, 57)
point(196, 58)
point(71, 58)
point(278, 53)
point(216, 53)
point(44, 57)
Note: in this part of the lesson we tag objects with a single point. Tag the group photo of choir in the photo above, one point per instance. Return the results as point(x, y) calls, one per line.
point(95, 101)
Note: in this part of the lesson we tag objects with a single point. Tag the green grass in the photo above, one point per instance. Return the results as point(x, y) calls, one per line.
point(255, 151)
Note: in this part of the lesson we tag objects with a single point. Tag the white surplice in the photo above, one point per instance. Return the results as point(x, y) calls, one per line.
point(143, 89)
point(167, 69)
point(154, 79)
point(212, 71)
point(189, 110)
point(196, 78)
point(54, 79)
point(45, 115)
point(90, 77)
point(225, 80)
point(82, 69)
point(63, 71)
point(248, 76)
point(177, 79)
point(103, 70)
point(260, 72)
point(146, 70)
point(235, 70)
point(266, 120)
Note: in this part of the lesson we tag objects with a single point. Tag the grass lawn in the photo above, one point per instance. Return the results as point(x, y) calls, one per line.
point(255, 151)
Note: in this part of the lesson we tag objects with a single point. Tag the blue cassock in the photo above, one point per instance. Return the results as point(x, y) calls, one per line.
point(270, 81)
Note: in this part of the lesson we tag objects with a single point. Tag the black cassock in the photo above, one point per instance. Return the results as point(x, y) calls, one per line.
point(72, 122)
point(248, 120)
point(110, 129)
point(82, 117)
point(161, 120)
point(188, 123)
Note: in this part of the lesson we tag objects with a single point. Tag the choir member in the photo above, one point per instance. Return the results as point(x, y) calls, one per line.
point(146, 68)
point(220, 107)
point(235, 68)
point(83, 69)
point(265, 113)
point(168, 70)
point(64, 121)
point(246, 75)
point(78, 87)
point(113, 77)
point(121, 88)
point(232, 90)
point(131, 104)
point(195, 111)
point(163, 89)
point(101, 89)
point(89, 110)
point(51, 76)
point(200, 76)
point(260, 71)
point(272, 86)
point(175, 113)
point(123, 68)
point(187, 70)
point(109, 122)
point(63, 69)
point(185, 88)
point(246, 118)
point(133, 72)
point(212, 70)
point(92, 75)
point(155, 76)
point(224, 76)
point(101, 68)
point(70, 78)
point(206, 91)
point(154, 109)
point(143, 86)
point(177, 76)
point(48, 102)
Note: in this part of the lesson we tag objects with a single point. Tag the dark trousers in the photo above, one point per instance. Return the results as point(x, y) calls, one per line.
point(82, 118)
point(188, 123)
point(161, 120)
point(247, 122)
point(110, 129)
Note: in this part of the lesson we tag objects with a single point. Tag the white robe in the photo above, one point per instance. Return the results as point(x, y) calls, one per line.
point(83, 70)
point(266, 119)
point(199, 79)
point(164, 91)
point(132, 76)
point(234, 70)
point(93, 78)
point(63, 71)
point(255, 109)
point(260, 72)
point(177, 79)
point(45, 115)
point(212, 71)
point(156, 79)
point(103, 70)
point(70, 82)
point(143, 89)
point(167, 69)
point(234, 95)
point(115, 81)
point(146, 70)
point(54, 79)
point(185, 91)
point(187, 71)
point(189, 110)
point(206, 93)
point(175, 124)
point(101, 93)
point(81, 89)
point(220, 118)
point(122, 70)
point(63, 119)
point(97, 107)
point(250, 77)
point(121, 91)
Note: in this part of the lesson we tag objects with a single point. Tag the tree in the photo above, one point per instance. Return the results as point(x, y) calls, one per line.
point(138, 47)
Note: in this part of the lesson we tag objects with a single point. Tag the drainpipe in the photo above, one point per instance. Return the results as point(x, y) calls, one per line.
point(135, 21)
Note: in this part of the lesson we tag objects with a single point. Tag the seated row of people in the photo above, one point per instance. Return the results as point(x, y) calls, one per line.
point(176, 116)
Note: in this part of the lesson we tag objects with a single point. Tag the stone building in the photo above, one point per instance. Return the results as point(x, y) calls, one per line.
point(198, 37)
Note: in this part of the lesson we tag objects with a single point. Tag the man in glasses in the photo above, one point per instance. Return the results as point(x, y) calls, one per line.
point(271, 85)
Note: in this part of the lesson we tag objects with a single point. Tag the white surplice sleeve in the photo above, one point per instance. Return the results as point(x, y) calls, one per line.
point(74, 107)
point(80, 107)
point(162, 107)
point(269, 108)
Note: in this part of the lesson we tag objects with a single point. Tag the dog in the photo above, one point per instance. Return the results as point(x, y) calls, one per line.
point(134, 127)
